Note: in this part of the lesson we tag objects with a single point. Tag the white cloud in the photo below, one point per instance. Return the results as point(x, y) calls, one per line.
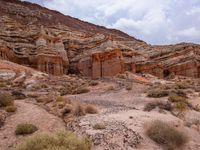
point(155, 21)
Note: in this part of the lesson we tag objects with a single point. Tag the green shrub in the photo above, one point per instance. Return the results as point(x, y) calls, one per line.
point(62, 140)
point(91, 109)
point(6, 99)
point(162, 105)
point(11, 109)
point(25, 128)
point(157, 93)
point(99, 126)
point(165, 135)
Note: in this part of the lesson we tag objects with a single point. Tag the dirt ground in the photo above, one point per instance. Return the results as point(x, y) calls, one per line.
point(27, 113)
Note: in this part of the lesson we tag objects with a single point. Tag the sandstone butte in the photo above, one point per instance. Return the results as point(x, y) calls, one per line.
point(51, 42)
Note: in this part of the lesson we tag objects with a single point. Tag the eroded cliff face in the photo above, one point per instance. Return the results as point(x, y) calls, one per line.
point(56, 44)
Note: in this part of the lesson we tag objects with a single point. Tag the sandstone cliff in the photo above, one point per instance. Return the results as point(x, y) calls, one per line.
point(57, 44)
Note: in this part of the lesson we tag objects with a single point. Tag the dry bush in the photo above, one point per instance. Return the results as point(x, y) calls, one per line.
point(33, 95)
point(129, 87)
point(61, 140)
point(91, 109)
point(181, 85)
point(44, 86)
point(99, 126)
point(181, 106)
point(59, 99)
point(157, 93)
point(165, 135)
point(18, 95)
point(93, 83)
point(176, 98)
point(6, 99)
point(178, 92)
point(25, 128)
point(2, 118)
point(67, 110)
point(61, 105)
point(81, 90)
point(40, 86)
point(78, 110)
point(3, 84)
point(162, 105)
point(11, 109)
point(110, 88)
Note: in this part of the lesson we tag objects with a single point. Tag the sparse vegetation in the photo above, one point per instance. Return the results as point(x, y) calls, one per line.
point(157, 93)
point(93, 83)
point(59, 99)
point(11, 109)
point(176, 98)
point(61, 140)
point(181, 106)
point(25, 128)
point(82, 90)
point(91, 109)
point(99, 126)
point(165, 135)
point(162, 105)
point(3, 84)
point(6, 99)
point(18, 95)
point(78, 110)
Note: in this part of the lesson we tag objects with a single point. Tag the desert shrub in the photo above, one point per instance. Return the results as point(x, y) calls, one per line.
point(129, 87)
point(78, 110)
point(93, 83)
point(18, 95)
point(33, 95)
point(91, 109)
point(181, 85)
point(67, 110)
point(81, 90)
point(25, 128)
point(157, 93)
point(110, 88)
point(69, 88)
point(40, 86)
point(176, 98)
point(44, 86)
point(6, 99)
point(162, 105)
point(61, 140)
point(165, 135)
point(2, 118)
point(99, 126)
point(59, 99)
point(61, 105)
point(178, 92)
point(3, 84)
point(10, 109)
point(181, 106)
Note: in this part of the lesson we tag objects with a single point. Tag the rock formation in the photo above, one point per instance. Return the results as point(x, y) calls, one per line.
point(46, 40)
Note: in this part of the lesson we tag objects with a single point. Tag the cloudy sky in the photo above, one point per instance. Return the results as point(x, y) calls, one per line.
point(154, 21)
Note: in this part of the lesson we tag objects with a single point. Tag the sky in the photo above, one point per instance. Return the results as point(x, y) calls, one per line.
point(154, 21)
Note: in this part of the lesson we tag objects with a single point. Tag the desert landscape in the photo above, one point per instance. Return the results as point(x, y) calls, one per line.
point(66, 84)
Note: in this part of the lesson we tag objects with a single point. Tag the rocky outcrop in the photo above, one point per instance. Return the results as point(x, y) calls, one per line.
point(46, 40)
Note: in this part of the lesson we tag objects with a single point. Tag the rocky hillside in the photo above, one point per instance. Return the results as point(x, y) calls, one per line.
point(51, 42)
